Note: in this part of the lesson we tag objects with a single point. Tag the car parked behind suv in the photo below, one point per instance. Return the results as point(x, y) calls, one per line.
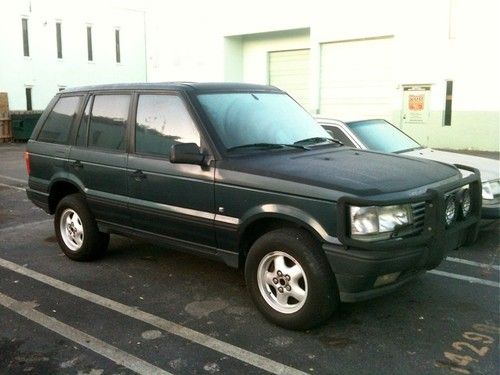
point(381, 135)
point(243, 174)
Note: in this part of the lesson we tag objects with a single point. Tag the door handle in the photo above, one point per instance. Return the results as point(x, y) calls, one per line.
point(138, 175)
point(77, 164)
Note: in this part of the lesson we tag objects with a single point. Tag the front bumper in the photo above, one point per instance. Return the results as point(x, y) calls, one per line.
point(358, 264)
point(491, 209)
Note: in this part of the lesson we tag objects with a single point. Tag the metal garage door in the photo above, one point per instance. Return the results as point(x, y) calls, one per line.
point(356, 79)
point(289, 70)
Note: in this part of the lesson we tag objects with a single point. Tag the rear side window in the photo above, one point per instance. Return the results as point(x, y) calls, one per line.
point(163, 121)
point(58, 123)
point(108, 122)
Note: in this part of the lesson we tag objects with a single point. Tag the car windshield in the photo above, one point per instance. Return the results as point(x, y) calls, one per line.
point(379, 135)
point(256, 118)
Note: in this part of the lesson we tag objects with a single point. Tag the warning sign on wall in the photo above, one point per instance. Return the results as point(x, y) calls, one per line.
point(416, 104)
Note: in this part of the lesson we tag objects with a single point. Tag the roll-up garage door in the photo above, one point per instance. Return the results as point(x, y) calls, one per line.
point(357, 79)
point(289, 71)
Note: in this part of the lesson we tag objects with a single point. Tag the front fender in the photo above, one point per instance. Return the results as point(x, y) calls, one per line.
point(287, 213)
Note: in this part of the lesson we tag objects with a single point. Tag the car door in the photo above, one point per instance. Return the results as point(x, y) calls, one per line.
point(49, 153)
point(172, 200)
point(99, 158)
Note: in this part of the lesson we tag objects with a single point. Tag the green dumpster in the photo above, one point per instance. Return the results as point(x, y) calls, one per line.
point(23, 123)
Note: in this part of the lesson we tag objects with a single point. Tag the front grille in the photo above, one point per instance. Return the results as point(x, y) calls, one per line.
point(418, 211)
point(417, 226)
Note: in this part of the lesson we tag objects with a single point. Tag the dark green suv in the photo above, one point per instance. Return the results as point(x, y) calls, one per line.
point(243, 174)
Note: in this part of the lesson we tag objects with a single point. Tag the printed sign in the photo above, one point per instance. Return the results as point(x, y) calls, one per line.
point(416, 104)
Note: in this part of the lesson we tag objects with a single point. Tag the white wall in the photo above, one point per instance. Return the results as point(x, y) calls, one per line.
point(44, 71)
point(434, 41)
point(218, 40)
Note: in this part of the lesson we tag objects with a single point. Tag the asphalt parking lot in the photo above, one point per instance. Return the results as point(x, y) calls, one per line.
point(151, 310)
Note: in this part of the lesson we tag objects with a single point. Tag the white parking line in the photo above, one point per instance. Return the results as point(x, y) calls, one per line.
point(472, 263)
point(13, 187)
point(473, 280)
point(173, 328)
point(13, 179)
point(23, 226)
point(118, 356)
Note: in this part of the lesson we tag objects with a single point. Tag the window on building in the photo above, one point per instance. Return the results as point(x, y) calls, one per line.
point(26, 45)
point(90, 56)
point(57, 127)
point(117, 45)
point(448, 103)
point(163, 121)
point(29, 103)
point(108, 122)
point(59, 40)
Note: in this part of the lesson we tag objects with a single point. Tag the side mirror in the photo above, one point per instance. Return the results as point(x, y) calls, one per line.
point(187, 153)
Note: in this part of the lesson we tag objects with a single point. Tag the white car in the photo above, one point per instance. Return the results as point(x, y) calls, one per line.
point(380, 135)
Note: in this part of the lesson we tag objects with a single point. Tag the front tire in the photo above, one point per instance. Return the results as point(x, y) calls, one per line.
point(290, 280)
point(76, 230)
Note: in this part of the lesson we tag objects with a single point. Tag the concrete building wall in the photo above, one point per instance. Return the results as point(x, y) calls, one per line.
point(434, 42)
point(43, 71)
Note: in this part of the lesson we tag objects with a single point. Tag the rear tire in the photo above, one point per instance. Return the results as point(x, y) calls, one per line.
point(290, 280)
point(76, 230)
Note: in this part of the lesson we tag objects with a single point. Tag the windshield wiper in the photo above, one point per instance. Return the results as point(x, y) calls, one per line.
point(318, 140)
point(267, 146)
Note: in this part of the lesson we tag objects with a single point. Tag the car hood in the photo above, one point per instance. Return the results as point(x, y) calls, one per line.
point(347, 170)
point(489, 168)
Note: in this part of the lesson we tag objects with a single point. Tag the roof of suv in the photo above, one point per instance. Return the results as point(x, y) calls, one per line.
point(196, 86)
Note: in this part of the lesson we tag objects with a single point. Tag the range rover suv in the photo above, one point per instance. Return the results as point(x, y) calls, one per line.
point(243, 174)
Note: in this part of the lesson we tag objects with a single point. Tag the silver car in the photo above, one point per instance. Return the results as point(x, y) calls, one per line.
point(380, 135)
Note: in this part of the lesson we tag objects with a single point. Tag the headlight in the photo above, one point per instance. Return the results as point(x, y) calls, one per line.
point(465, 202)
point(451, 209)
point(376, 223)
point(491, 189)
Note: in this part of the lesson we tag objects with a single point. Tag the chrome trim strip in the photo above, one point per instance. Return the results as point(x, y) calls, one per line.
point(174, 209)
point(227, 219)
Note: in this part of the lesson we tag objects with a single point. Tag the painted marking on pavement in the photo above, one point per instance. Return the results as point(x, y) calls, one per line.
point(14, 179)
point(236, 352)
point(111, 352)
point(24, 226)
point(13, 187)
point(473, 280)
point(472, 263)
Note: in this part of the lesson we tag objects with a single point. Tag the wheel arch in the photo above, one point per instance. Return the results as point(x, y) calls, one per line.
point(59, 189)
point(270, 217)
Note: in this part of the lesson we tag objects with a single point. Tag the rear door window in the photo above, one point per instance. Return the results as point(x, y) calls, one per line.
point(81, 137)
point(108, 122)
point(163, 121)
point(58, 124)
